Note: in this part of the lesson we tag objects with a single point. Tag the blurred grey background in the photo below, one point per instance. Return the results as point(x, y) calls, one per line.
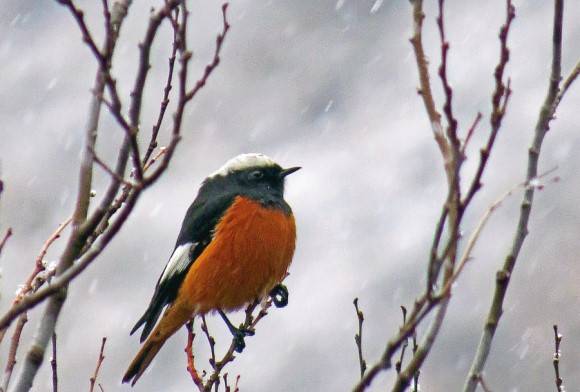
point(330, 86)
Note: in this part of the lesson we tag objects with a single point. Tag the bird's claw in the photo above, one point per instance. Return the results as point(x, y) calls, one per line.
point(239, 335)
point(279, 295)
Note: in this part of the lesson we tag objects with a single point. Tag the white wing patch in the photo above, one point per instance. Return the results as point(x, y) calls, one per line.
point(178, 262)
point(242, 162)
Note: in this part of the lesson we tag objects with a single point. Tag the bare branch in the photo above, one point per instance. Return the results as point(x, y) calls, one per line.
point(87, 36)
point(28, 285)
point(499, 102)
point(110, 171)
point(399, 363)
point(216, 56)
point(503, 276)
point(54, 365)
point(566, 84)
point(447, 106)
point(470, 132)
point(185, 95)
point(404, 378)
point(197, 380)
point(5, 238)
point(210, 340)
point(74, 247)
point(484, 386)
point(358, 339)
point(14, 344)
point(556, 360)
point(425, 84)
point(100, 360)
point(142, 73)
point(250, 322)
point(166, 90)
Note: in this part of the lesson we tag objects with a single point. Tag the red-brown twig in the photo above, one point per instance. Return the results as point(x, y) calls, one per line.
point(186, 95)
point(100, 360)
point(358, 338)
point(250, 322)
point(556, 360)
point(54, 365)
point(87, 36)
point(166, 90)
point(197, 380)
point(470, 132)
point(216, 56)
point(499, 101)
point(228, 387)
point(210, 341)
point(92, 233)
point(448, 105)
point(150, 163)
point(26, 288)
point(481, 381)
point(5, 238)
point(14, 344)
point(110, 171)
point(405, 344)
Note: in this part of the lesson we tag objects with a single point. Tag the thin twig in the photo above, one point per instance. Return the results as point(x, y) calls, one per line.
point(418, 372)
point(29, 285)
point(399, 363)
point(87, 36)
point(14, 344)
point(556, 360)
point(84, 244)
point(358, 338)
point(210, 340)
point(448, 105)
point(77, 237)
point(424, 82)
point(216, 55)
point(54, 365)
point(566, 84)
point(483, 384)
point(197, 380)
point(100, 360)
point(5, 238)
point(250, 322)
point(470, 132)
point(499, 102)
point(503, 276)
point(110, 171)
point(186, 95)
point(166, 90)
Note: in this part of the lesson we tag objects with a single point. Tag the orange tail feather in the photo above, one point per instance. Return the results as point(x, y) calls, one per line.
point(142, 360)
point(173, 318)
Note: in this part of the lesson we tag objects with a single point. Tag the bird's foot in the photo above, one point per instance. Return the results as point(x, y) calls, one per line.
point(279, 295)
point(239, 336)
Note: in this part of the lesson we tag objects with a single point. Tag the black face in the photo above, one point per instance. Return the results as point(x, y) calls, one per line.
point(261, 180)
point(263, 184)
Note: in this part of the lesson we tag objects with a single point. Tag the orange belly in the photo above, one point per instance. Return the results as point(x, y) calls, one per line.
point(250, 253)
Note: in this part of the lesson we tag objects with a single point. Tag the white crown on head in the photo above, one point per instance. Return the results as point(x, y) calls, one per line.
point(244, 161)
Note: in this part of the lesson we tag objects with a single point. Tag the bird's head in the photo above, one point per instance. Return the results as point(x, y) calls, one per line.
point(253, 173)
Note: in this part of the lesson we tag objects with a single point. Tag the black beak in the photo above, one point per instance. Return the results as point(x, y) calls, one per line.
point(288, 171)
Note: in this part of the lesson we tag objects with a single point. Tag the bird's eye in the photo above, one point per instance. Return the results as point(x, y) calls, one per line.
point(256, 175)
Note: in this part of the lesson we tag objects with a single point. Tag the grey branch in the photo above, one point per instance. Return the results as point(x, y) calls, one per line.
point(503, 276)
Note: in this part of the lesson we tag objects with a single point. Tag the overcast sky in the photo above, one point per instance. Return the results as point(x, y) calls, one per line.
point(330, 86)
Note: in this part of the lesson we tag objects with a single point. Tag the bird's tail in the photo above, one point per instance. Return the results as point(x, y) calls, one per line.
point(172, 320)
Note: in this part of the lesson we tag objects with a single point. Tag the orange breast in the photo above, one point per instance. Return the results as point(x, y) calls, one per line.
point(250, 252)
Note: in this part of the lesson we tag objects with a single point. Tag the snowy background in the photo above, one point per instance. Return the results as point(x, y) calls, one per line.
point(330, 86)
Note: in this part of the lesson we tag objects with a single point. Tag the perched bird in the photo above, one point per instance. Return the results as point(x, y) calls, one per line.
point(235, 245)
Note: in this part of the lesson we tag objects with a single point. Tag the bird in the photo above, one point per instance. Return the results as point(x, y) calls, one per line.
point(235, 246)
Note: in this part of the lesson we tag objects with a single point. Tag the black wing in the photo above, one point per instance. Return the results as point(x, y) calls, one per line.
point(196, 233)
